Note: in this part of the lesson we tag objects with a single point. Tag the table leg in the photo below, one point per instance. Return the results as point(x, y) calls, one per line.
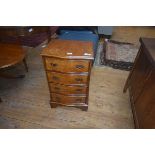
point(25, 64)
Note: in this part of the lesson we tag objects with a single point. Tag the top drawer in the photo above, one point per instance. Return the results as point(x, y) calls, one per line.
point(62, 65)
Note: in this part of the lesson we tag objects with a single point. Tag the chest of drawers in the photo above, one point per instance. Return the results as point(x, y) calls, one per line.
point(141, 85)
point(68, 65)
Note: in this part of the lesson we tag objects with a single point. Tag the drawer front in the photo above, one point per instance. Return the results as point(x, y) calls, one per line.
point(67, 99)
point(55, 77)
point(57, 88)
point(61, 65)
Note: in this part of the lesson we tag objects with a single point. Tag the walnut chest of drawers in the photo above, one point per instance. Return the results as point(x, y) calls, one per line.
point(68, 65)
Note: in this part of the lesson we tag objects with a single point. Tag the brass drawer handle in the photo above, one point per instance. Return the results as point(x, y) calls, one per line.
point(79, 66)
point(79, 79)
point(54, 64)
point(55, 78)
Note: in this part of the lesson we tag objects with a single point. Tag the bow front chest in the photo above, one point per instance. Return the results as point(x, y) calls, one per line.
point(68, 65)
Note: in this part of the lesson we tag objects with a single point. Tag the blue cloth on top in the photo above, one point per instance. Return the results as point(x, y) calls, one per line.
point(81, 36)
point(75, 32)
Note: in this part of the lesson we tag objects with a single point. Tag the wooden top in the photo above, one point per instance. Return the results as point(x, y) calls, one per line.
point(69, 49)
point(149, 45)
point(10, 54)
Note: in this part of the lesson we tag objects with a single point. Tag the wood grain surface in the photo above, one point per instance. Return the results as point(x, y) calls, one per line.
point(58, 88)
point(141, 85)
point(61, 65)
point(69, 49)
point(10, 54)
point(75, 79)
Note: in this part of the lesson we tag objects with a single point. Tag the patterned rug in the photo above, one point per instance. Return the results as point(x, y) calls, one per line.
point(118, 55)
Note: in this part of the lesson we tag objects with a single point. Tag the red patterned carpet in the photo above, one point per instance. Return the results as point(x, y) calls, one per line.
point(118, 55)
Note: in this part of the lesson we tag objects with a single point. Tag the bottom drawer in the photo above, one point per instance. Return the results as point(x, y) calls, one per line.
point(64, 99)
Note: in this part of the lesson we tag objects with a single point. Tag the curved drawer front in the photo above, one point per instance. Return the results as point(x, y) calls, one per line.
point(67, 99)
point(62, 65)
point(67, 78)
point(63, 89)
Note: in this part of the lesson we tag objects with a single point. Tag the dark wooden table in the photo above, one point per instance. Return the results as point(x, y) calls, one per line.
point(10, 55)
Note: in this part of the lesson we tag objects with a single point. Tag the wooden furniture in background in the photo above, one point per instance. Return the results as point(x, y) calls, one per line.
point(141, 84)
point(29, 35)
point(68, 65)
point(10, 55)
